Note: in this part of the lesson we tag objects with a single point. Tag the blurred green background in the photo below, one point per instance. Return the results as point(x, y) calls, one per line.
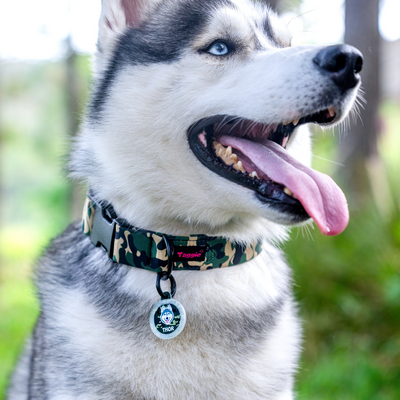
point(347, 286)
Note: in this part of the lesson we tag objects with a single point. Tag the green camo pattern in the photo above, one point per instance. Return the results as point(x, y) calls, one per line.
point(88, 217)
point(147, 249)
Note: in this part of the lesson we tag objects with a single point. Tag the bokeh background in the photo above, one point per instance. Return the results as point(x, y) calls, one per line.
point(348, 286)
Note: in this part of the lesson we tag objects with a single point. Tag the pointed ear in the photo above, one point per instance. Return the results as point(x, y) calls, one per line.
point(116, 16)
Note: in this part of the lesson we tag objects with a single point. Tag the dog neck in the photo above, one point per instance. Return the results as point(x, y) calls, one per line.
point(155, 251)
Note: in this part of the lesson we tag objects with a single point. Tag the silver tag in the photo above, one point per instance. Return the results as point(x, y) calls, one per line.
point(167, 318)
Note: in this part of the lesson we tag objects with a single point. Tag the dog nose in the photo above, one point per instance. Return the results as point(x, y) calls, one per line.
point(342, 63)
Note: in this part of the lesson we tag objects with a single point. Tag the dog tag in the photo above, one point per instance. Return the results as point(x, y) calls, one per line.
point(167, 318)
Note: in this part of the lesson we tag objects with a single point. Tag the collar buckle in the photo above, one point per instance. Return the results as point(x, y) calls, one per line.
point(103, 230)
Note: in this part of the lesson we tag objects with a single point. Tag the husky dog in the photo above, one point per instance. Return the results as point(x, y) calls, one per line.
point(196, 126)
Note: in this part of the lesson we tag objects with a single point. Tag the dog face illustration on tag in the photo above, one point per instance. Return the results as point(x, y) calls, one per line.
point(167, 319)
point(167, 315)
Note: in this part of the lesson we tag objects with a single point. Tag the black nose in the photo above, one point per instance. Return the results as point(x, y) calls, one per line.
point(342, 63)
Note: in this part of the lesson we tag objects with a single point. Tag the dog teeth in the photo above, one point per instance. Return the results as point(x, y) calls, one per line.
point(216, 145)
point(226, 155)
point(239, 166)
point(227, 160)
point(331, 112)
point(254, 175)
point(289, 192)
point(294, 122)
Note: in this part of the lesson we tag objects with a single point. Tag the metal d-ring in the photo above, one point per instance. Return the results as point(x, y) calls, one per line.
point(165, 275)
point(165, 295)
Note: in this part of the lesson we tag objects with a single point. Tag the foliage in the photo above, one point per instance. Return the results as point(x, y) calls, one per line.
point(347, 286)
point(18, 310)
point(35, 194)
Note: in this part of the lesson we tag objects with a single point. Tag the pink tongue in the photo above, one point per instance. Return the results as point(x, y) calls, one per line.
point(318, 193)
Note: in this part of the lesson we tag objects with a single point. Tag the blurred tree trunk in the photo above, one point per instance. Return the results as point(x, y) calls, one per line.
point(73, 93)
point(274, 4)
point(360, 145)
point(74, 103)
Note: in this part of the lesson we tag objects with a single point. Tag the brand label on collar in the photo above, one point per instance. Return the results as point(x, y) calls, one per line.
point(190, 253)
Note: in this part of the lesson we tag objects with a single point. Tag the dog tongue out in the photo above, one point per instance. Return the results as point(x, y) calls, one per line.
point(318, 193)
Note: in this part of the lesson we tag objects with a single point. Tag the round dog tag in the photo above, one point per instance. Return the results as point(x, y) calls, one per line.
point(167, 318)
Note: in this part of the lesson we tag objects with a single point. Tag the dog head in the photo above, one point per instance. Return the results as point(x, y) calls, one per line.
point(196, 123)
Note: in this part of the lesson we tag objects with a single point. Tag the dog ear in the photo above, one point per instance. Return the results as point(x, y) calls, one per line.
point(116, 16)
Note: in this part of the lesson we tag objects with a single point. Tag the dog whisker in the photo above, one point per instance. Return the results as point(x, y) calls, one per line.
point(330, 161)
point(306, 232)
point(221, 123)
point(234, 125)
point(302, 14)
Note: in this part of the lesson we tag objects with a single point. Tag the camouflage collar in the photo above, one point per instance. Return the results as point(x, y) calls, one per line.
point(139, 248)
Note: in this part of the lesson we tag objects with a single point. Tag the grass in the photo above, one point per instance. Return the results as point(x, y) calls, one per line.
point(18, 310)
point(18, 305)
point(347, 286)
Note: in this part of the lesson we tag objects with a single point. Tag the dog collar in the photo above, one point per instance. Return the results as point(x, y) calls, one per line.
point(155, 251)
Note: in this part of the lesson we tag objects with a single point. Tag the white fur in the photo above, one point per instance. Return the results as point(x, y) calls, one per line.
point(145, 128)
point(141, 162)
point(186, 363)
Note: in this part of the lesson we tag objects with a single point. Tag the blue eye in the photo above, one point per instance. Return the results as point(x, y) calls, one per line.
point(218, 49)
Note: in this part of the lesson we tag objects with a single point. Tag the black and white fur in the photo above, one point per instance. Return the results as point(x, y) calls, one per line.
point(152, 82)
